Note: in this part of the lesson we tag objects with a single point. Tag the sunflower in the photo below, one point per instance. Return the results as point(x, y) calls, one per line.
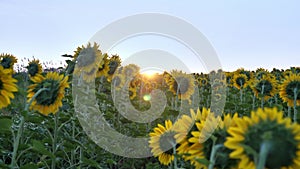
point(183, 127)
point(290, 90)
point(7, 87)
point(211, 132)
point(88, 59)
point(7, 61)
point(117, 81)
point(131, 70)
point(265, 127)
point(113, 63)
point(265, 87)
point(260, 73)
point(162, 139)
point(49, 100)
point(103, 69)
point(240, 81)
point(34, 68)
point(182, 85)
point(244, 72)
point(132, 93)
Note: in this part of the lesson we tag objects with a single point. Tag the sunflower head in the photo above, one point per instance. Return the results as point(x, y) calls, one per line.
point(162, 139)
point(265, 87)
point(265, 126)
point(7, 87)
point(182, 85)
point(290, 89)
point(88, 58)
point(51, 90)
point(114, 63)
point(7, 61)
point(34, 67)
point(240, 81)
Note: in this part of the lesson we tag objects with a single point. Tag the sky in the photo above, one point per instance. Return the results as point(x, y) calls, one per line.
point(249, 34)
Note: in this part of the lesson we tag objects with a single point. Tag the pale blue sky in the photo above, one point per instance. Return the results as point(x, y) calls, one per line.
point(249, 34)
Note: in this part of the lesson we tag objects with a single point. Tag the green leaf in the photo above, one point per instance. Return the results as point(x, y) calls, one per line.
point(203, 161)
point(29, 166)
point(5, 125)
point(90, 162)
point(39, 147)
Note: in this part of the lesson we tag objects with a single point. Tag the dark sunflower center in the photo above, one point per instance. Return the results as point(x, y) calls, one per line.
point(183, 83)
point(247, 73)
point(260, 75)
point(264, 87)
point(86, 57)
point(166, 140)
point(1, 85)
point(240, 81)
point(116, 81)
point(284, 146)
point(113, 65)
point(33, 69)
point(47, 97)
point(128, 71)
point(6, 62)
point(291, 87)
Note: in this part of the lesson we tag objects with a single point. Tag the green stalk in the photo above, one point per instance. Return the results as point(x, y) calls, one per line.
point(295, 105)
point(212, 157)
point(53, 164)
point(289, 112)
point(253, 102)
point(262, 99)
point(241, 95)
point(263, 154)
point(175, 158)
point(20, 129)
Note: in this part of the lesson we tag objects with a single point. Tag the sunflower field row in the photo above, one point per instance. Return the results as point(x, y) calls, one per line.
point(241, 119)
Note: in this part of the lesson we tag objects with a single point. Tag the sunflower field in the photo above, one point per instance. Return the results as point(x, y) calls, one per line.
point(218, 120)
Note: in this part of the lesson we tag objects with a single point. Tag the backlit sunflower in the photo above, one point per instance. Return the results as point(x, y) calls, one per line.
point(88, 59)
point(242, 71)
point(7, 87)
point(7, 61)
point(265, 87)
point(182, 85)
point(131, 70)
point(103, 68)
point(265, 128)
point(260, 73)
point(240, 81)
point(113, 63)
point(50, 100)
point(211, 132)
point(290, 90)
point(162, 139)
point(132, 93)
point(34, 68)
point(183, 127)
point(117, 81)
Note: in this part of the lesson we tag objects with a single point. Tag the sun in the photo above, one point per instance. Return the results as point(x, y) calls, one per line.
point(150, 73)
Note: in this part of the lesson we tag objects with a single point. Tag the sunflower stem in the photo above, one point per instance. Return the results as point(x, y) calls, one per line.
point(263, 154)
point(289, 112)
point(175, 158)
point(177, 96)
point(53, 164)
point(20, 129)
point(212, 157)
point(253, 102)
point(295, 105)
point(262, 96)
point(241, 95)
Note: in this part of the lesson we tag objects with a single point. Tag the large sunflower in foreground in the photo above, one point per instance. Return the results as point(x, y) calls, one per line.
point(209, 133)
point(290, 90)
point(162, 139)
point(7, 87)
point(34, 68)
point(50, 100)
point(265, 128)
point(265, 87)
point(182, 85)
point(7, 61)
point(183, 127)
point(88, 59)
